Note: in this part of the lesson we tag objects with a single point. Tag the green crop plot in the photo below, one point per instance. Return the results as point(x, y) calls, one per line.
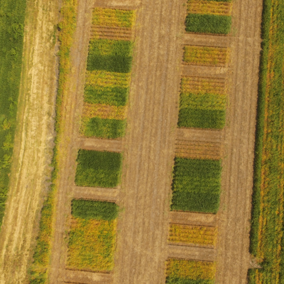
point(103, 128)
point(88, 209)
point(196, 185)
point(98, 168)
point(215, 24)
point(110, 55)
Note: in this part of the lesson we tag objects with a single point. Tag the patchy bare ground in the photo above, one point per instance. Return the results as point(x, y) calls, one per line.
point(33, 144)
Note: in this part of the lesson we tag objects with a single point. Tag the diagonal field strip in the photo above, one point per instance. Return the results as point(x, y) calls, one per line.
point(149, 144)
point(233, 244)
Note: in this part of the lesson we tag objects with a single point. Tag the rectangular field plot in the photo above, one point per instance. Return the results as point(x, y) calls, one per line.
point(180, 271)
point(110, 55)
point(207, 56)
point(92, 235)
point(196, 185)
point(209, 7)
point(98, 169)
point(193, 235)
point(202, 103)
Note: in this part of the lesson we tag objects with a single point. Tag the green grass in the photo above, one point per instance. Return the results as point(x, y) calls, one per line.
point(116, 96)
point(110, 55)
point(214, 24)
point(251, 276)
point(172, 280)
point(196, 185)
point(12, 18)
point(88, 209)
point(104, 128)
point(202, 118)
point(100, 169)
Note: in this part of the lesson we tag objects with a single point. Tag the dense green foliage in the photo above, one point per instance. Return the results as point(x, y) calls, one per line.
point(112, 96)
point(196, 185)
point(251, 276)
point(172, 280)
point(110, 55)
point(12, 17)
point(104, 128)
point(202, 118)
point(88, 209)
point(215, 24)
point(98, 168)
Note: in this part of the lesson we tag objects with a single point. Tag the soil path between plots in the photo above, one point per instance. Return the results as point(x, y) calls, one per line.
point(237, 180)
point(150, 143)
point(29, 179)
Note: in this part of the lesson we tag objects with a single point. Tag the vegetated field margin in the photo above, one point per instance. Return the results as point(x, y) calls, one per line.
point(39, 268)
point(12, 17)
point(267, 213)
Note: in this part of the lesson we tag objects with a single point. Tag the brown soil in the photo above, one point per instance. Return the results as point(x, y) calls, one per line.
point(111, 33)
point(233, 258)
point(100, 144)
point(33, 142)
point(80, 277)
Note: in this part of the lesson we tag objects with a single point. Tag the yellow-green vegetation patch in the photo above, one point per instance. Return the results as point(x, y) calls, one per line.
point(103, 128)
point(190, 272)
point(104, 87)
point(113, 18)
point(202, 55)
point(209, 7)
point(98, 169)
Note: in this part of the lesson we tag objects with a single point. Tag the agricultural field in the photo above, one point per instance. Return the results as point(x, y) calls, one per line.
point(180, 271)
point(11, 47)
point(202, 103)
point(92, 235)
point(108, 74)
point(267, 214)
point(209, 17)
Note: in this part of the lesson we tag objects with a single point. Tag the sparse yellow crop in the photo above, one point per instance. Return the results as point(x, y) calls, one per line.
point(209, 7)
point(196, 235)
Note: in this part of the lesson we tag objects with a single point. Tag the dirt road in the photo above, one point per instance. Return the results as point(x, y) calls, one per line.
point(233, 244)
point(33, 142)
point(150, 143)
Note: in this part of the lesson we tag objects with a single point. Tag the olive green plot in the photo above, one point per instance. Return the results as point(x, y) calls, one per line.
point(98, 169)
point(196, 185)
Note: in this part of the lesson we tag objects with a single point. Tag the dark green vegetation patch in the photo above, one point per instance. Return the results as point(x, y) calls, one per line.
point(104, 128)
point(196, 185)
point(116, 96)
point(174, 280)
point(12, 18)
point(110, 55)
point(215, 24)
point(96, 168)
point(88, 209)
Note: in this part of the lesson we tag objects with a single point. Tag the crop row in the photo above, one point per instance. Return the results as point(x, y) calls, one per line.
point(208, 56)
point(209, 7)
point(194, 235)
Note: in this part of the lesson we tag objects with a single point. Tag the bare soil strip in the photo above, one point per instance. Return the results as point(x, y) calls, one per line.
point(33, 142)
point(67, 154)
point(193, 253)
point(149, 144)
point(87, 277)
point(193, 134)
point(124, 4)
point(206, 40)
point(192, 70)
point(94, 193)
point(100, 144)
point(233, 244)
point(188, 218)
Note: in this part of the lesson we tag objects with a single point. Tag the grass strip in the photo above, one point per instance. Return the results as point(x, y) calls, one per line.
point(110, 55)
point(88, 209)
point(212, 24)
point(91, 245)
point(103, 128)
point(12, 18)
point(98, 168)
point(202, 118)
point(174, 280)
point(38, 272)
point(196, 185)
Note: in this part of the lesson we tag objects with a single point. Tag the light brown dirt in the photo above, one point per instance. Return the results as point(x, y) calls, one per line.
point(81, 277)
point(149, 144)
point(195, 134)
point(100, 144)
point(33, 142)
point(95, 193)
point(234, 214)
point(188, 218)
